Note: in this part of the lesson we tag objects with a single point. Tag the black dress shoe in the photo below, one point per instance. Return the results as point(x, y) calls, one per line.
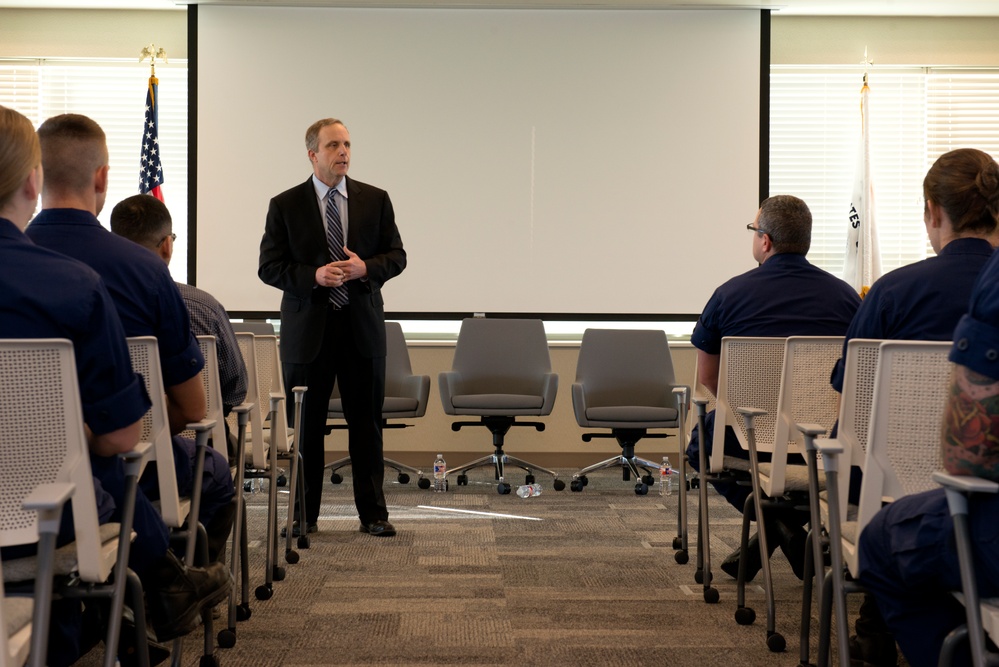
point(296, 530)
point(730, 565)
point(378, 528)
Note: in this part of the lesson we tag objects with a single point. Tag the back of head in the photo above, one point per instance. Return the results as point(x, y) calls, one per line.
point(788, 223)
point(143, 219)
point(73, 148)
point(19, 153)
point(965, 183)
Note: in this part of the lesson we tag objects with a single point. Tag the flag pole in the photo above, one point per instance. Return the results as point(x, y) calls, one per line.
point(863, 256)
point(150, 167)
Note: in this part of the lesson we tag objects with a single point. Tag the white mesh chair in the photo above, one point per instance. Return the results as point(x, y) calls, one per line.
point(749, 374)
point(406, 397)
point(42, 441)
point(266, 400)
point(501, 371)
point(238, 553)
point(860, 369)
point(982, 614)
point(176, 510)
point(903, 449)
point(804, 395)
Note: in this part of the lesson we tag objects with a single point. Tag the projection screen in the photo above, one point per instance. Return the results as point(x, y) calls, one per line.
point(539, 161)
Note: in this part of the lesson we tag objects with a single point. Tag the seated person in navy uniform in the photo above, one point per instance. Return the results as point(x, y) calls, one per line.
point(784, 296)
point(46, 295)
point(961, 192)
point(75, 158)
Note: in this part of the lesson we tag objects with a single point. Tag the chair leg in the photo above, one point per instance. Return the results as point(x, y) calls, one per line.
point(703, 523)
point(806, 600)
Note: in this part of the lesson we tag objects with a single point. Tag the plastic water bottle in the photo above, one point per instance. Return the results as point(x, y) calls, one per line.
point(665, 478)
point(529, 490)
point(440, 474)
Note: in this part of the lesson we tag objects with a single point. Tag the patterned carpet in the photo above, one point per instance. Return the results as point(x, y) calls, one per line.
point(476, 578)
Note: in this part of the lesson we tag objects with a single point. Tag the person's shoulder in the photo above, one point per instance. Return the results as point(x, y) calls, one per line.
point(363, 188)
point(295, 192)
point(69, 273)
point(198, 295)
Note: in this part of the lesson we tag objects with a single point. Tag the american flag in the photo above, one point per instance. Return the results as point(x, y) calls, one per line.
point(150, 167)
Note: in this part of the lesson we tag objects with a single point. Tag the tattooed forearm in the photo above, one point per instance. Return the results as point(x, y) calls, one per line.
point(971, 425)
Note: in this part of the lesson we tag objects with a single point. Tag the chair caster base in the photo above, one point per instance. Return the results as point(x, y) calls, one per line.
point(403, 478)
point(711, 595)
point(277, 574)
point(227, 638)
point(208, 661)
point(558, 485)
point(291, 556)
point(776, 642)
point(243, 612)
point(681, 557)
point(423, 483)
point(745, 616)
point(264, 592)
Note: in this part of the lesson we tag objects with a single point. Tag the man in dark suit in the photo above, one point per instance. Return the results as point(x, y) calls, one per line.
point(332, 314)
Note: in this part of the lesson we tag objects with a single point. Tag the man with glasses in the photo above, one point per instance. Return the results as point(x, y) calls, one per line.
point(784, 296)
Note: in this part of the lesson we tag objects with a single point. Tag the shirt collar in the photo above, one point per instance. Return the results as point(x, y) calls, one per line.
point(73, 216)
point(322, 189)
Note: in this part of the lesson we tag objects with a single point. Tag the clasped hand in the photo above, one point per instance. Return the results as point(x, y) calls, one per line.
point(337, 273)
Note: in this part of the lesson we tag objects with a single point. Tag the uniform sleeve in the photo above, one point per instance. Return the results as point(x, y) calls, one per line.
point(976, 338)
point(870, 321)
point(707, 332)
point(113, 396)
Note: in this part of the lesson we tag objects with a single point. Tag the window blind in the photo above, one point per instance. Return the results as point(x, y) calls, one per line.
point(916, 114)
point(114, 94)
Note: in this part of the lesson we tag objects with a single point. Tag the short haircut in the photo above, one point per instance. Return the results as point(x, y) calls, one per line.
point(19, 152)
point(143, 219)
point(965, 183)
point(312, 134)
point(73, 148)
point(788, 223)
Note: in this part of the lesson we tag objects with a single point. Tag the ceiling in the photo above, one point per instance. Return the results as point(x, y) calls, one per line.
point(781, 7)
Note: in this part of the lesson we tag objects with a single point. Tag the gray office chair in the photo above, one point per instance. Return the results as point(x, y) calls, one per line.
point(501, 371)
point(406, 397)
point(624, 382)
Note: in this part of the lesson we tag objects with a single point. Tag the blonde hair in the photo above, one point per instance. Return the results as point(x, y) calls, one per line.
point(20, 152)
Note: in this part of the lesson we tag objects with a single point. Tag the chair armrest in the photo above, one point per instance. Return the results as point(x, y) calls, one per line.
point(832, 452)
point(417, 387)
point(447, 383)
point(276, 399)
point(965, 483)
point(48, 500)
point(811, 431)
point(579, 403)
point(548, 390)
point(136, 459)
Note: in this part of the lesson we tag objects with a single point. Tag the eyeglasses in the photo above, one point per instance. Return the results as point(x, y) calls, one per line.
point(172, 237)
point(756, 229)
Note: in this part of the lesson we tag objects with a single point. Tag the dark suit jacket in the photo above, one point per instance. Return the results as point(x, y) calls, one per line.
point(294, 246)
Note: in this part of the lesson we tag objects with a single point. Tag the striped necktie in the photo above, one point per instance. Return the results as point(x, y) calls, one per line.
point(334, 237)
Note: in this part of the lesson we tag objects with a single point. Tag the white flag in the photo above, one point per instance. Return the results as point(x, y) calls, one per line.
point(863, 255)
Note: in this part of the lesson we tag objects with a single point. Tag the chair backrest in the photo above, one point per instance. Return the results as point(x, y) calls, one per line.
point(860, 370)
point(270, 382)
point(623, 367)
point(805, 397)
point(406, 395)
point(501, 356)
point(903, 449)
point(144, 352)
point(749, 375)
point(213, 395)
point(42, 440)
point(255, 429)
point(254, 327)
